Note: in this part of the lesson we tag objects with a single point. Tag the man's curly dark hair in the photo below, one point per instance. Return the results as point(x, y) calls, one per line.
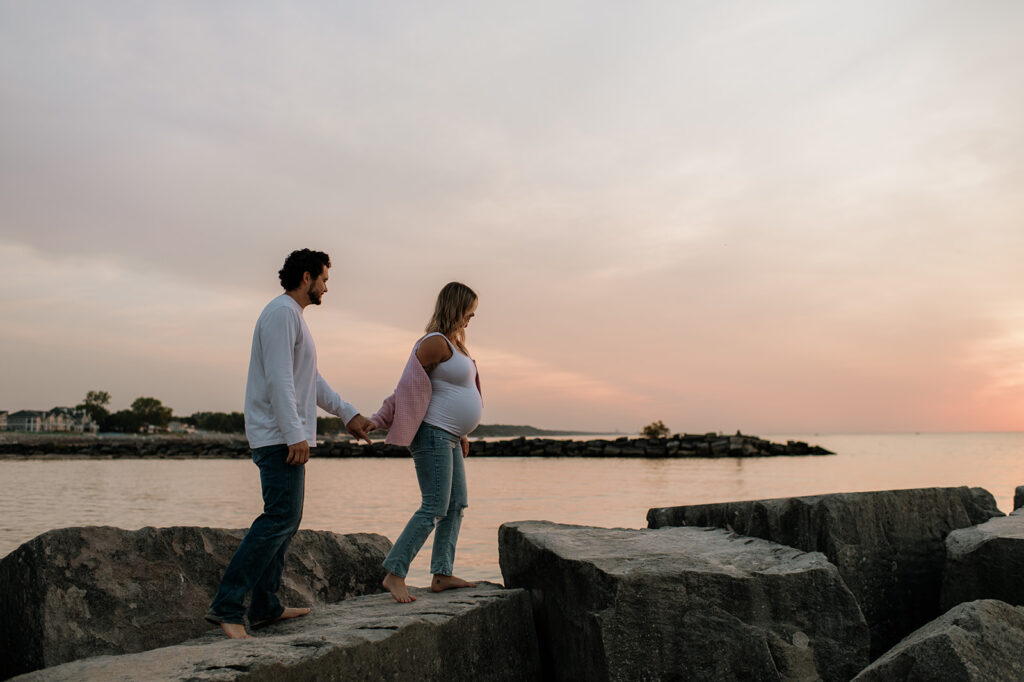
point(299, 262)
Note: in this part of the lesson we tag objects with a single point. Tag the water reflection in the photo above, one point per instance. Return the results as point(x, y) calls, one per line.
point(379, 495)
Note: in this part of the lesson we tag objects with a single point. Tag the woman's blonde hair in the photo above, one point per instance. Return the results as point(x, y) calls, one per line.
point(453, 303)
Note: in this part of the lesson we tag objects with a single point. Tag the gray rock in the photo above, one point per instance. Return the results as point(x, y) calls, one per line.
point(681, 604)
point(985, 562)
point(467, 635)
point(888, 545)
point(1018, 497)
point(78, 592)
point(979, 641)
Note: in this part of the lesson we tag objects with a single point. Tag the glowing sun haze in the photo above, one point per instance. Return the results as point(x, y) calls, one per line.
point(775, 217)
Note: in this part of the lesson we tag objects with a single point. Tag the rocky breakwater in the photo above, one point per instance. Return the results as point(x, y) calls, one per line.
point(682, 603)
point(682, 445)
point(171, 447)
point(78, 592)
point(889, 546)
point(468, 635)
point(123, 447)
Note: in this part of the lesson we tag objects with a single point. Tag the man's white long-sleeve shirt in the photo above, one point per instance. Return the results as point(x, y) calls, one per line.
point(284, 387)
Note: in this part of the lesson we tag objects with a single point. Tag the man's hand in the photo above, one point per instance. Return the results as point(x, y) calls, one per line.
point(359, 427)
point(298, 453)
point(464, 441)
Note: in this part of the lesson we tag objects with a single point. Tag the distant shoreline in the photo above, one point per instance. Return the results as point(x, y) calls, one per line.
point(227, 446)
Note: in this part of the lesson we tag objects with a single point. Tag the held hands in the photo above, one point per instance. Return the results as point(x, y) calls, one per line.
point(359, 427)
point(298, 453)
point(465, 446)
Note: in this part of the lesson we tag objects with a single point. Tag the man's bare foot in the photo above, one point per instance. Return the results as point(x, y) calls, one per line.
point(396, 586)
point(289, 612)
point(235, 631)
point(440, 583)
point(294, 612)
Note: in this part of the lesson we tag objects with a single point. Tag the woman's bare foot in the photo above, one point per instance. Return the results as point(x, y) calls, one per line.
point(235, 631)
point(440, 583)
point(396, 586)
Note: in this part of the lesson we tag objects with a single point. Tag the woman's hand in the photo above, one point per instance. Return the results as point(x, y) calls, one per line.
point(359, 427)
point(464, 441)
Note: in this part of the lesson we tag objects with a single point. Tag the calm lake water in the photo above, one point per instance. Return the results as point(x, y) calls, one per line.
point(378, 495)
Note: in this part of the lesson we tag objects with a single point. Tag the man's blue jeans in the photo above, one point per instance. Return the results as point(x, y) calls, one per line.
point(442, 478)
point(259, 561)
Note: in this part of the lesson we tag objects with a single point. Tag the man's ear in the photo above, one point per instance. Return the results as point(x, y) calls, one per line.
point(307, 279)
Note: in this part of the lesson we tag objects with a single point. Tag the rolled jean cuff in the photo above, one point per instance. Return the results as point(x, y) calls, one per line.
point(395, 568)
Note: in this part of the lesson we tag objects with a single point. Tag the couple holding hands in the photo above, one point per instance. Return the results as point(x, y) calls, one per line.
point(436, 404)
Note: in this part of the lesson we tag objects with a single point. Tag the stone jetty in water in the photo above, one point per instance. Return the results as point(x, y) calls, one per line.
point(184, 447)
point(889, 585)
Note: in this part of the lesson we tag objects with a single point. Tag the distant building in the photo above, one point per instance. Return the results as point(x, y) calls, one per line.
point(3, 420)
point(57, 419)
point(69, 419)
point(180, 427)
point(26, 420)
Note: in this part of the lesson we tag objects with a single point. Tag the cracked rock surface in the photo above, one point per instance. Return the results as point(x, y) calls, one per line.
point(986, 562)
point(77, 592)
point(978, 641)
point(888, 545)
point(681, 604)
point(482, 633)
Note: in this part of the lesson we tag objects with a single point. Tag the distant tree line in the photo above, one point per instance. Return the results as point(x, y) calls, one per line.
point(149, 413)
point(146, 414)
point(222, 422)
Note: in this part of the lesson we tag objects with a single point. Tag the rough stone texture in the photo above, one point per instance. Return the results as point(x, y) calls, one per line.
point(78, 592)
point(681, 604)
point(467, 635)
point(985, 562)
point(979, 641)
point(888, 545)
point(1018, 497)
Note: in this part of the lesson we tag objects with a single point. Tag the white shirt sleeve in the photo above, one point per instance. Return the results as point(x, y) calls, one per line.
point(328, 399)
point(277, 340)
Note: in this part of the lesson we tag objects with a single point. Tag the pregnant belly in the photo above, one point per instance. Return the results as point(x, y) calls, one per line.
point(454, 408)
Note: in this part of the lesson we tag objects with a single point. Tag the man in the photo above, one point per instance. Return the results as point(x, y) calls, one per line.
point(282, 393)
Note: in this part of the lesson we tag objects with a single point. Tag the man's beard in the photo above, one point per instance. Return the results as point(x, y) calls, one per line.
point(314, 296)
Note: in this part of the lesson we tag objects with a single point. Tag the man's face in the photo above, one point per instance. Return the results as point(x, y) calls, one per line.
point(317, 288)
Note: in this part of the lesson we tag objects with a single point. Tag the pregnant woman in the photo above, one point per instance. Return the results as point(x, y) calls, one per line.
point(435, 406)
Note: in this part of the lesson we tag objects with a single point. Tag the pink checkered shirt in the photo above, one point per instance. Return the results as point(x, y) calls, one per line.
point(403, 411)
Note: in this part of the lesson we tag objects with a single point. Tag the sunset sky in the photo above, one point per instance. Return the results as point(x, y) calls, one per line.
point(775, 217)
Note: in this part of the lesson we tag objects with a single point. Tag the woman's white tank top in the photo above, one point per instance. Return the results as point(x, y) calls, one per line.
point(455, 403)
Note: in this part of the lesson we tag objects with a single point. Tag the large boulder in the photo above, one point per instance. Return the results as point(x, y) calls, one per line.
point(468, 635)
point(78, 592)
point(681, 604)
point(888, 545)
point(985, 562)
point(978, 641)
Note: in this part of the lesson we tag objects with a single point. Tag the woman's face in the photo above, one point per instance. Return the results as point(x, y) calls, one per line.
point(464, 322)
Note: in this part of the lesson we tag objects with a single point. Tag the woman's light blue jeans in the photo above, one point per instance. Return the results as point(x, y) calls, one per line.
point(442, 478)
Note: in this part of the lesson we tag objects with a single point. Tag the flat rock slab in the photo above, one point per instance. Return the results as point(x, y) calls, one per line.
point(978, 641)
point(985, 562)
point(888, 545)
point(482, 633)
point(95, 590)
point(681, 604)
